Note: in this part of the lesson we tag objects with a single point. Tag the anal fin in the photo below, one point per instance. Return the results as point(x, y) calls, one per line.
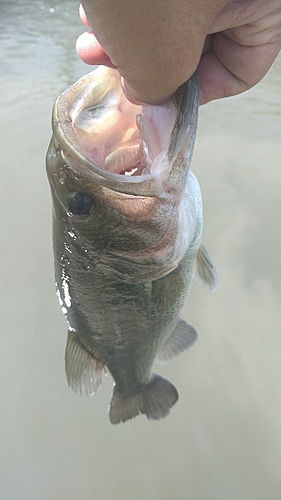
point(183, 336)
point(82, 366)
point(155, 401)
point(205, 270)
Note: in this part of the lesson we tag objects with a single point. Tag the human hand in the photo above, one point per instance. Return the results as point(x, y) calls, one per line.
point(157, 46)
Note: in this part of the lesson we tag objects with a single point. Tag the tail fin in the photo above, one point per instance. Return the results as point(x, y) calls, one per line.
point(155, 400)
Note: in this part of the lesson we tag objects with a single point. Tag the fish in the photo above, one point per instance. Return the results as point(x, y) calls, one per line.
point(127, 230)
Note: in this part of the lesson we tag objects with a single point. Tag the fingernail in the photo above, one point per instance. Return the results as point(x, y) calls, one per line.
point(82, 15)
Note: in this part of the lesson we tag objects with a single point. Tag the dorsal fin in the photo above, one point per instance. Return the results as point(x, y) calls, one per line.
point(82, 366)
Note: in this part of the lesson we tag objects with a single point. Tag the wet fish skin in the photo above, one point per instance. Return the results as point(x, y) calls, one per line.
point(124, 264)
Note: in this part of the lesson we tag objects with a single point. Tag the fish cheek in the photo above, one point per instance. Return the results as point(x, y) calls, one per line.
point(133, 208)
point(141, 221)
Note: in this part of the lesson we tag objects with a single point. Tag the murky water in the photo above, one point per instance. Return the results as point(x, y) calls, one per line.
point(222, 439)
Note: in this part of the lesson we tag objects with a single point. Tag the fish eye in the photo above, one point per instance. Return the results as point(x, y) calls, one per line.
point(81, 204)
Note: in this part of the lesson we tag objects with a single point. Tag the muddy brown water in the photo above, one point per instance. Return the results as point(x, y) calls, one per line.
point(222, 439)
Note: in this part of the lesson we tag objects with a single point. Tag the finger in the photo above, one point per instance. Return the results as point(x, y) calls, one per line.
point(231, 68)
point(240, 56)
point(90, 51)
point(248, 63)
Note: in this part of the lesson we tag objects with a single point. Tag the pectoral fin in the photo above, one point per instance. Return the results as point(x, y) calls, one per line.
point(205, 270)
point(183, 336)
point(82, 366)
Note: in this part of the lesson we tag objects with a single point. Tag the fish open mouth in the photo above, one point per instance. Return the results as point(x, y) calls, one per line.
point(116, 135)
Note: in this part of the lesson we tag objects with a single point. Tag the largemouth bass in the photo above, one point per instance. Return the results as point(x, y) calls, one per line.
point(127, 226)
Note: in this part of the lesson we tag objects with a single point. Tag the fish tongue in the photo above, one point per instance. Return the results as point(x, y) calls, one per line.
point(125, 158)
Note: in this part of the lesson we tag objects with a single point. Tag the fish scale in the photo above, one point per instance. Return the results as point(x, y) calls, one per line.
point(125, 247)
